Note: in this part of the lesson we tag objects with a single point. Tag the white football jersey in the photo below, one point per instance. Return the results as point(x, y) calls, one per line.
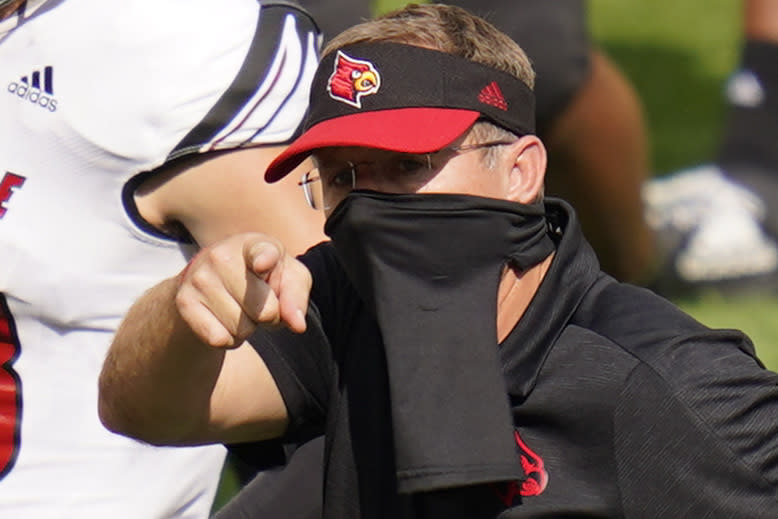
point(94, 93)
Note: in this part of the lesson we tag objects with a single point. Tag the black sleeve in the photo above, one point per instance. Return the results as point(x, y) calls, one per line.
point(290, 492)
point(708, 449)
point(302, 366)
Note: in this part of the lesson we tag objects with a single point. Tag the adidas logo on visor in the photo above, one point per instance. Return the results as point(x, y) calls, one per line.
point(492, 95)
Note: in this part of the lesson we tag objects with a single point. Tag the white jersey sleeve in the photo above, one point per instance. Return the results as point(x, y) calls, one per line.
point(265, 101)
point(94, 93)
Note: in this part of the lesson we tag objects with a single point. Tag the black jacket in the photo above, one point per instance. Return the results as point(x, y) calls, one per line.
point(623, 405)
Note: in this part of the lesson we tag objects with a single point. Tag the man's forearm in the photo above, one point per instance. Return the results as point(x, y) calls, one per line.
point(180, 371)
point(158, 377)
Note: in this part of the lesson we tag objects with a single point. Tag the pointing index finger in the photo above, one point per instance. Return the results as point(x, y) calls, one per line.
point(262, 256)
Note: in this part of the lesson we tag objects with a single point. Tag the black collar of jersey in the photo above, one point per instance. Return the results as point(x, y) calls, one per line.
point(572, 273)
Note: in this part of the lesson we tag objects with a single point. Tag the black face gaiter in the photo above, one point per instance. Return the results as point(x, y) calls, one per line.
point(428, 267)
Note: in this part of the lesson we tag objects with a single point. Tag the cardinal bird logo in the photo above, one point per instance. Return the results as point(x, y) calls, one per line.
point(352, 79)
point(536, 477)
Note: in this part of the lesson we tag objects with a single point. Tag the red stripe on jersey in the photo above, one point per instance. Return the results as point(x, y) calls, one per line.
point(10, 391)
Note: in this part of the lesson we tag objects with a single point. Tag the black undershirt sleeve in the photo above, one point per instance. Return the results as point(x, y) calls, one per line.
point(303, 368)
point(300, 365)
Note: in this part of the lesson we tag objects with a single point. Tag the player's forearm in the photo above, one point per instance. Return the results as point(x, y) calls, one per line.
point(158, 378)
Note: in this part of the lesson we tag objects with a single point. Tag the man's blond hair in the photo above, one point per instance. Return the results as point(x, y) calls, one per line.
point(445, 28)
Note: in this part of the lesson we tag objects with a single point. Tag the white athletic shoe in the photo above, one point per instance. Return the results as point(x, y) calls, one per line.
point(710, 231)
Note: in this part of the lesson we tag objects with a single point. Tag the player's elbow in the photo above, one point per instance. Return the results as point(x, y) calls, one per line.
point(120, 415)
point(135, 425)
point(113, 413)
point(111, 420)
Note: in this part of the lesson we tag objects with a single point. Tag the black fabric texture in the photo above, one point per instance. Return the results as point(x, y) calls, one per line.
point(427, 267)
point(647, 399)
point(290, 492)
point(626, 406)
point(448, 82)
point(308, 361)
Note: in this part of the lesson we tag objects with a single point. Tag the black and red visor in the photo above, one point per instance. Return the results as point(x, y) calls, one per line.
point(403, 98)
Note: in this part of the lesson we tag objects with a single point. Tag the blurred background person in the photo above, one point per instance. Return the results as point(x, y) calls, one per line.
point(717, 223)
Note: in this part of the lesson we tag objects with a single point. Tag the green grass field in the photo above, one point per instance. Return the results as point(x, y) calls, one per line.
point(678, 55)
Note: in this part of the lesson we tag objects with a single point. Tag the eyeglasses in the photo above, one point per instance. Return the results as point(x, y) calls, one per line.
point(324, 187)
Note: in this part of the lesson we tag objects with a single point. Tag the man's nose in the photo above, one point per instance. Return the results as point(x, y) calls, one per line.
point(368, 179)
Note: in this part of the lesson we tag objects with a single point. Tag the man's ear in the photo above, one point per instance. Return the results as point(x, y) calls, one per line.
point(529, 170)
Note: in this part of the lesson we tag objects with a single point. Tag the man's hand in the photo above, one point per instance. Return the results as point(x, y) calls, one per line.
point(160, 384)
point(233, 285)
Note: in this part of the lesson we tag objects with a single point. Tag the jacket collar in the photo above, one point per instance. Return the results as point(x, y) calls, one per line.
point(572, 273)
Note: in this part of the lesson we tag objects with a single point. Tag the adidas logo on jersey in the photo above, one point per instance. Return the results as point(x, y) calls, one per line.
point(36, 88)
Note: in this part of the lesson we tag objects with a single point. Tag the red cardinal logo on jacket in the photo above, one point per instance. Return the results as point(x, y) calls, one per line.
point(536, 477)
point(352, 79)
